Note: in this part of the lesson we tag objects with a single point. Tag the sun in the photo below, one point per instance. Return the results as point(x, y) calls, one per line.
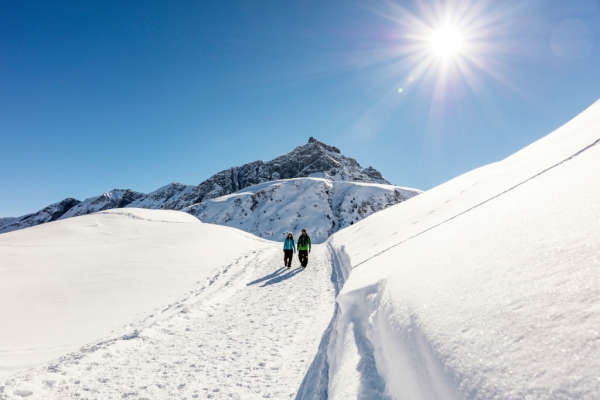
point(446, 42)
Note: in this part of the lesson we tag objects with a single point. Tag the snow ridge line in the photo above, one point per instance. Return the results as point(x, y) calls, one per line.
point(483, 202)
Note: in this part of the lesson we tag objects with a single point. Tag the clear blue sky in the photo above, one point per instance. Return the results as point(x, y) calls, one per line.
point(96, 95)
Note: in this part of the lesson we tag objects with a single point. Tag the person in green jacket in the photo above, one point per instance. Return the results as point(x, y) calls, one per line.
point(303, 248)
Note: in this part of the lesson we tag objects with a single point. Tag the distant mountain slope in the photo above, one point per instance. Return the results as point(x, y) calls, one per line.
point(48, 214)
point(322, 206)
point(117, 198)
point(314, 159)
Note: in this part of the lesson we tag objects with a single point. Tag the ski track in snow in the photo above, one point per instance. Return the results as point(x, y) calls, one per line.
point(252, 332)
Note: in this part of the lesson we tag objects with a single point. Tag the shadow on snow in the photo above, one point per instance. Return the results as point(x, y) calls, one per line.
point(280, 275)
point(264, 278)
point(279, 278)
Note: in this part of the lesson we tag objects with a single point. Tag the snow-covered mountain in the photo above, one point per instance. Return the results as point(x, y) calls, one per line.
point(116, 198)
point(48, 214)
point(314, 159)
point(485, 287)
point(322, 206)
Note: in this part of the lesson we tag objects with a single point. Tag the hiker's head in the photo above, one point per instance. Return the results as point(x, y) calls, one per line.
point(304, 231)
point(290, 236)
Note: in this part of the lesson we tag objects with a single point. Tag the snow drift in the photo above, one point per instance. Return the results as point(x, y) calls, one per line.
point(66, 283)
point(486, 287)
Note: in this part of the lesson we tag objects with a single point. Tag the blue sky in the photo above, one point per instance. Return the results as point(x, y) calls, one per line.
point(101, 95)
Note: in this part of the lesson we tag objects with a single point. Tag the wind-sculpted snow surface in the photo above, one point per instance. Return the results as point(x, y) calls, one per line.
point(486, 287)
point(314, 159)
point(69, 282)
point(322, 206)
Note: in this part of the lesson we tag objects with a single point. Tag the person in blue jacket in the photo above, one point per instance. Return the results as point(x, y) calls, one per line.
point(289, 248)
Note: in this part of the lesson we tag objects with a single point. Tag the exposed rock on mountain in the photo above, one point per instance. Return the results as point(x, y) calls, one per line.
point(314, 159)
point(170, 193)
point(48, 214)
point(117, 198)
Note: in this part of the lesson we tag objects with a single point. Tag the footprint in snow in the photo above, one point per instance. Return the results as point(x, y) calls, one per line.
point(22, 393)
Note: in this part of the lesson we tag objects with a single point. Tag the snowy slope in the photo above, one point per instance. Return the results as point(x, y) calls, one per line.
point(486, 287)
point(66, 283)
point(322, 206)
point(314, 159)
point(251, 331)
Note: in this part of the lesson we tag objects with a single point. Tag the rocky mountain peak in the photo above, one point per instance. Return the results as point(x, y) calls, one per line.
point(314, 159)
point(322, 145)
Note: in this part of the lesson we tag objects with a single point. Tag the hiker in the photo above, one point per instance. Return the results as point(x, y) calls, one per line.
point(303, 248)
point(288, 250)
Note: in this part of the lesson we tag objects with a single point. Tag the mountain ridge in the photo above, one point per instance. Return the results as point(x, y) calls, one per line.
point(314, 159)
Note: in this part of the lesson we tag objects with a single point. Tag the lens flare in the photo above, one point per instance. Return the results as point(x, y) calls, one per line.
point(441, 54)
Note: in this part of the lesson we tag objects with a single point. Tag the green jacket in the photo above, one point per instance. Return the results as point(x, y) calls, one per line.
point(304, 242)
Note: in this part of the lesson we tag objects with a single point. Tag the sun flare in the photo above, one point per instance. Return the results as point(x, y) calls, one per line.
point(446, 42)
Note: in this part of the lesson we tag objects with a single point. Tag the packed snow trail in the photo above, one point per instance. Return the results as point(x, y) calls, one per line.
point(252, 332)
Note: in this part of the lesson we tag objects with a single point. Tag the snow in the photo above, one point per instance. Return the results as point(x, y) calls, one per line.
point(272, 209)
point(66, 283)
point(231, 338)
point(486, 287)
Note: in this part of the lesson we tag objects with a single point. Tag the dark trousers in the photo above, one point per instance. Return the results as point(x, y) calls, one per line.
point(303, 257)
point(287, 258)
